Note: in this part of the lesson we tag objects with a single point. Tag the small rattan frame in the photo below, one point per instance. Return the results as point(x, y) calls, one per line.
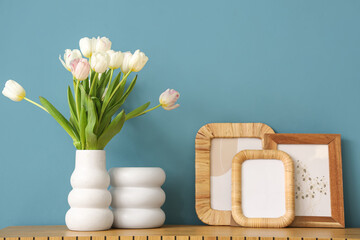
point(237, 211)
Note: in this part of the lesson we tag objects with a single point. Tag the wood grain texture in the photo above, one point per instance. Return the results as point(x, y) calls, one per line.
point(202, 164)
point(108, 238)
point(182, 237)
point(236, 193)
point(224, 238)
point(337, 219)
point(195, 237)
point(195, 233)
point(154, 237)
point(168, 238)
point(97, 238)
point(210, 238)
point(237, 238)
point(138, 238)
point(129, 237)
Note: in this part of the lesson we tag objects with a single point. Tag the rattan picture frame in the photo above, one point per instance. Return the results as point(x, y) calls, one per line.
point(333, 143)
point(203, 142)
point(237, 191)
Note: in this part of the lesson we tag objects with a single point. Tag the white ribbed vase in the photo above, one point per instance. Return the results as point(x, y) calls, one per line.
point(89, 200)
point(137, 197)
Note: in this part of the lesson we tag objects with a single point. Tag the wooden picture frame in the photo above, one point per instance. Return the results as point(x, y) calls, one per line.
point(203, 144)
point(287, 198)
point(333, 182)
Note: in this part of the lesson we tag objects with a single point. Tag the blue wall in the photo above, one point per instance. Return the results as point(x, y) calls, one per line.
point(291, 64)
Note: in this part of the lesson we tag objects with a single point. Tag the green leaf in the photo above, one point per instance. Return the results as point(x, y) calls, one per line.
point(97, 104)
point(59, 118)
point(77, 144)
point(112, 86)
point(71, 103)
point(106, 119)
point(91, 138)
point(138, 111)
point(75, 125)
point(128, 91)
point(78, 97)
point(83, 121)
point(102, 85)
point(94, 84)
point(119, 94)
point(84, 96)
point(72, 107)
point(113, 129)
point(85, 83)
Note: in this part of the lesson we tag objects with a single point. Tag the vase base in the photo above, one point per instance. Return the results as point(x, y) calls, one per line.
point(89, 219)
point(138, 218)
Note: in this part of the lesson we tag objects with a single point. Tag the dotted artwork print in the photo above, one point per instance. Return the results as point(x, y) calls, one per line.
point(308, 186)
point(312, 178)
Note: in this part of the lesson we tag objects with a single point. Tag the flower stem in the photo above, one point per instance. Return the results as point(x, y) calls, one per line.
point(111, 75)
point(151, 109)
point(93, 83)
point(36, 104)
point(112, 94)
point(103, 108)
point(117, 87)
point(76, 99)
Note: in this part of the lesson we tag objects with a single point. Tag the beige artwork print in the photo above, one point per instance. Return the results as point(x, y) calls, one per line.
point(222, 153)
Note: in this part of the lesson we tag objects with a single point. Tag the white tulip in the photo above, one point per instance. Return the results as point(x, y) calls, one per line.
point(125, 64)
point(168, 99)
point(87, 46)
point(100, 62)
point(69, 56)
point(116, 59)
point(102, 45)
point(137, 61)
point(14, 91)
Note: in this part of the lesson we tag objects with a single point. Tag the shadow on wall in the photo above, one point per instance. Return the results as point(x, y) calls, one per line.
point(347, 147)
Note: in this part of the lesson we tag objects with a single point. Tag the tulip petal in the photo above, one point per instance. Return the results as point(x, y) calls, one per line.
point(172, 107)
point(63, 63)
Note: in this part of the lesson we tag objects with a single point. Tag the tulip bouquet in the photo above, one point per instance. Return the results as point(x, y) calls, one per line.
point(99, 94)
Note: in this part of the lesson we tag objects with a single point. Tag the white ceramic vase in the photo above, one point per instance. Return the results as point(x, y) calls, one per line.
point(137, 197)
point(89, 199)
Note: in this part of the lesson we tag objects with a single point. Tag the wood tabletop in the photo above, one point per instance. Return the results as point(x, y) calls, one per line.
point(178, 232)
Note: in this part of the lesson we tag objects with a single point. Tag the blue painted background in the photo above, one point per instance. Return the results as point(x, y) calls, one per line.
point(291, 64)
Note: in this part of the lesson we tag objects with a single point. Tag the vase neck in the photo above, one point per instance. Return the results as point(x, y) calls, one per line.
point(90, 159)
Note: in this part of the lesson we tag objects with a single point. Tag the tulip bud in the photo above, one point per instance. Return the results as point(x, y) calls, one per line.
point(168, 99)
point(125, 64)
point(14, 91)
point(80, 68)
point(102, 44)
point(100, 62)
point(137, 61)
point(87, 46)
point(69, 56)
point(116, 59)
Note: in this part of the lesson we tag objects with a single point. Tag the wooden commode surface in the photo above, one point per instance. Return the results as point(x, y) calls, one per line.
point(177, 232)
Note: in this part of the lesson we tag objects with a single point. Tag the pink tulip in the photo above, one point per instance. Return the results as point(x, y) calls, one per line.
point(80, 68)
point(168, 99)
